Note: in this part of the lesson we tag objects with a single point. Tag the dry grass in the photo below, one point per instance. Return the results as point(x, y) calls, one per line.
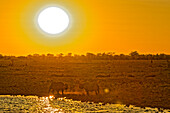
point(137, 82)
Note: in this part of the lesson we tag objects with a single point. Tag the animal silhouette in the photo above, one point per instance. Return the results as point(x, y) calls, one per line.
point(58, 86)
point(89, 87)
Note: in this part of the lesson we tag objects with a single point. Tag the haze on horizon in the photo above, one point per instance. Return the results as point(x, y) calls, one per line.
point(97, 26)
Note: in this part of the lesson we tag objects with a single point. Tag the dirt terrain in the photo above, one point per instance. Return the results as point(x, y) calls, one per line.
point(136, 82)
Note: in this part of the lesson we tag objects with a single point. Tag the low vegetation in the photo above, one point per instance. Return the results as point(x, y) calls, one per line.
point(135, 82)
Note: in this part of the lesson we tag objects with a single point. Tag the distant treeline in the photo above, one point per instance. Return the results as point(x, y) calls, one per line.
point(134, 55)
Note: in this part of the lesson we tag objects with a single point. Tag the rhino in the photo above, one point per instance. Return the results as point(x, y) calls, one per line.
point(89, 87)
point(58, 86)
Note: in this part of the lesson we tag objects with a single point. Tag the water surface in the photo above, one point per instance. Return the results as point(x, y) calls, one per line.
point(62, 105)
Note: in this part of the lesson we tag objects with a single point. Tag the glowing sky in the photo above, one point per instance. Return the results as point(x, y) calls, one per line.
point(120, 26)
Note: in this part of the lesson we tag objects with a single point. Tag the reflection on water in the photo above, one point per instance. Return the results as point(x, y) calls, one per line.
point(26, 104)
point(47, 107)
point(62, 105)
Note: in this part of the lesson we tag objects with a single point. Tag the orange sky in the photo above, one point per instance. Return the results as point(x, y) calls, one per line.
point(119, 26)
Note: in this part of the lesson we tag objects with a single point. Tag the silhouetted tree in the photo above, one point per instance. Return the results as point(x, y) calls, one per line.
point(109, 55)
point(162, 56)
point(22, 57)
point(50, 55)
point(149, 56)
point(69, 54)
point(99, 56)
point(36, 55)
point(122, 56)
point(29, 56)
point(60, 55)
point(134, 55)
point(43, 56)
point(90, 55)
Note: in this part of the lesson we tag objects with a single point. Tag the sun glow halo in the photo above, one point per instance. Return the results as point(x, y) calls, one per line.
point(53, 20)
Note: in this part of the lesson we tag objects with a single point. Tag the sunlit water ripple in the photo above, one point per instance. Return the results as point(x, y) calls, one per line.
point(62, 105)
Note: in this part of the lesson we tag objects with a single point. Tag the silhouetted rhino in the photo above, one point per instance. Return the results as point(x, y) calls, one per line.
point(89, 87)
point(58, 86)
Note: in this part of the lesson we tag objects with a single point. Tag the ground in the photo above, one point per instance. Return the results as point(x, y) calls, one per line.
point(136, 82)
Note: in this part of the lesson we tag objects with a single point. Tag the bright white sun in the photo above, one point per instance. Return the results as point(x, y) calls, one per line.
point(53, 20)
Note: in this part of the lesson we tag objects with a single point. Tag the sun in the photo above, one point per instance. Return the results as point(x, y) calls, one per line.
point(53, 20)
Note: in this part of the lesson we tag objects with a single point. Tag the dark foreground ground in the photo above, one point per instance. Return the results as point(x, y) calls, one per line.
point(136, 82)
